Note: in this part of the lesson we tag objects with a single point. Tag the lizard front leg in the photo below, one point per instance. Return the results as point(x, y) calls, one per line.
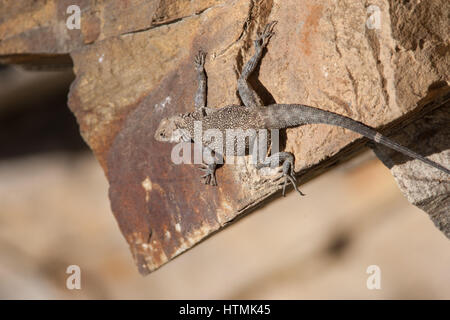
point(286, 159)
point(200, 95)
point(210, 173)
point(210, 168)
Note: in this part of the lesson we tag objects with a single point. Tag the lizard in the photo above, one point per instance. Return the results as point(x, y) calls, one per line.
point(254, 115)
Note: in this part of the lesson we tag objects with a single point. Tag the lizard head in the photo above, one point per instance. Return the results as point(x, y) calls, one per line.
point(172, 130)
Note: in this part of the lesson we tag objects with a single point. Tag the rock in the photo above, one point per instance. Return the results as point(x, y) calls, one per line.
point(134, 66)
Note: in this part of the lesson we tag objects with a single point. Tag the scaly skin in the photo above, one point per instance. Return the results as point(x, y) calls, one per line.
point(253, 115)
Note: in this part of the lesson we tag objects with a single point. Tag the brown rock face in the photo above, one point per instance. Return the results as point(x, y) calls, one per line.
point(375, 61)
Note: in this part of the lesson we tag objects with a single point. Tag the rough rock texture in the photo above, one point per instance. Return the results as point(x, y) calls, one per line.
point(30, 26)
point(133, 61)
point(427, 189)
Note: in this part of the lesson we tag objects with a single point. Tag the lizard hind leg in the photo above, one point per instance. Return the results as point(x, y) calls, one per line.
point(263, 37)
point(288, 173)
point(248, 95)
point(287, 160)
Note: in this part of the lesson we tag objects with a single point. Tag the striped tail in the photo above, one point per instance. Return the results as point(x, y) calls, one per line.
point(278, 116)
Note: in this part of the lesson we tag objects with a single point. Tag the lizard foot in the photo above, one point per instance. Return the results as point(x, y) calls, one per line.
point(287, 159)
point(199, 60)
point(210, 174)
point(263, 38)
point(288, 174)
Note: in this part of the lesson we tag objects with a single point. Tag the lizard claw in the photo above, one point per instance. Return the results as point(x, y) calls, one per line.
point(288, 173)
point(263, 38)
point(292, 179)
point(210, 174)
point(199, 60)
